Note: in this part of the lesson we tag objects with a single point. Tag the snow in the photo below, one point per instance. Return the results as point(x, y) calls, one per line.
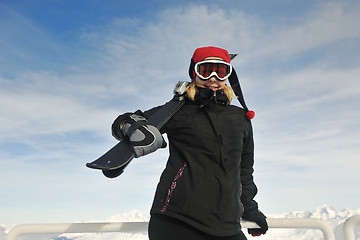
point(334, 217)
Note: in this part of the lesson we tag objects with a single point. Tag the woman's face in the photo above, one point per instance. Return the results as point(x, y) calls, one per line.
point(213, 83)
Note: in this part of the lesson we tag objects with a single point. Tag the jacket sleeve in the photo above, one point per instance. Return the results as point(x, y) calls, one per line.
point(249, 188)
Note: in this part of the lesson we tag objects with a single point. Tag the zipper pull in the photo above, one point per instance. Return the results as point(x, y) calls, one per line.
point(214, 97)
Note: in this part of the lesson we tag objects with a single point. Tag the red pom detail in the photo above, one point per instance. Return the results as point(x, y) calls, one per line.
point(250, 115)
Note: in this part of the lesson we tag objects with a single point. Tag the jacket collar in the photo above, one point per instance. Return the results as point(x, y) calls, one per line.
point(206, 96)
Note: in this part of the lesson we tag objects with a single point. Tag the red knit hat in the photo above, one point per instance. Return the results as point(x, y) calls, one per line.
point(204, 52)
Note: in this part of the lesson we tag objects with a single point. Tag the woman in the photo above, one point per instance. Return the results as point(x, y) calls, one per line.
point(207, 185)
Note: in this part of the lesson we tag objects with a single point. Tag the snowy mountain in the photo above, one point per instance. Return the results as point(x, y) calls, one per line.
point(334, 217)
point(133, 216)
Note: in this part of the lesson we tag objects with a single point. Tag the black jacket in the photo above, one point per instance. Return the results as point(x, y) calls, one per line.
point(208, 179)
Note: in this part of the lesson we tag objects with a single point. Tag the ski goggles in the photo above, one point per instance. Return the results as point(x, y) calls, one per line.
point(213, 67)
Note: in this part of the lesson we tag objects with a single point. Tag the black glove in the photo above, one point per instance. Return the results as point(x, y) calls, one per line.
point(260, 219)
point(143, 137)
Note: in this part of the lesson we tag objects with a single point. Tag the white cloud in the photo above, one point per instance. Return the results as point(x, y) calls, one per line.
point(46, 104)
point(326, 24)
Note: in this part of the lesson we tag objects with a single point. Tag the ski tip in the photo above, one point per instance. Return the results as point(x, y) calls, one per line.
point(109, 173)
point(96, 166)
point(90, 165)
point(113, 173)
point(232, 56)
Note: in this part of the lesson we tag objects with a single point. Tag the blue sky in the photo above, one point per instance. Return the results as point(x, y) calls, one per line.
point(68, 68)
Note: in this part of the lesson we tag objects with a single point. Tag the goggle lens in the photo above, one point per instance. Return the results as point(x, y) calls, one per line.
point(208, 68)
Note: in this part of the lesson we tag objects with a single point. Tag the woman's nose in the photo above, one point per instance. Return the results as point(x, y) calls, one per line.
point(213, 79)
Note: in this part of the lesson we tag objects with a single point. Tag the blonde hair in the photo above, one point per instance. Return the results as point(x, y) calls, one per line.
point(191, 92)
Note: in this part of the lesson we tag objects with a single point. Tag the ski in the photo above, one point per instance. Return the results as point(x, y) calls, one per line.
point(114, 161)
